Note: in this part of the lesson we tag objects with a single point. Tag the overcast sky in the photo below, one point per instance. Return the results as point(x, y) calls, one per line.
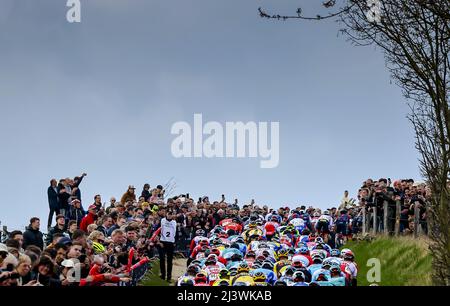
point(101, 96)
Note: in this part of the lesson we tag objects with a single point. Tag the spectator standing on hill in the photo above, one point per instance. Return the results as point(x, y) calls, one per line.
point(32, 235)
point(53, 201)
point(146, 192)
point(129, 195)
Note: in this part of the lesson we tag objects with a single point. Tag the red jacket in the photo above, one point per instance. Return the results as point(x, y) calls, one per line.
point(99, 278)
point(86, 221)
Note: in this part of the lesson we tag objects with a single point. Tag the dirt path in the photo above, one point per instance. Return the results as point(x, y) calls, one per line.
point(179, 268)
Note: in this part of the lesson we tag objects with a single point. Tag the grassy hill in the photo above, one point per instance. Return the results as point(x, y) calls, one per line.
point(404, 261)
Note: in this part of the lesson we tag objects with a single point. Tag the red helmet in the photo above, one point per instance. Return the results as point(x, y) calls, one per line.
point(215, 251)
point(203, 242)
point(201, 278)
point(270, 229)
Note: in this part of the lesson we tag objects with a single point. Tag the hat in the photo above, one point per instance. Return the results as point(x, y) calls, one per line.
point(68, 263)
point(131, 187)
point(3, 248)
point(92, 207)
point(145, 204)
point(65, 240)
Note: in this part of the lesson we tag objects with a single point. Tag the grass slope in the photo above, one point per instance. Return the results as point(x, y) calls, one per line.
point(153, 279)
point(404, 261)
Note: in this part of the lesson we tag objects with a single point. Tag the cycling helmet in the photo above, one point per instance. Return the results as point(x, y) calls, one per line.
point(187, 281)
point(321, 275)
point(98, 248)
point(236, 257)
point(298, 276)
point(193, 270)
point(283, 253)
point(224, 273)
point(250, 254)
point(256, 265)
point(200, 232)
point(239, 240)
point(243, 267)
point(288, 271)
point(233, 271)
point(326, 212)
point(216, 241)
point(263, 245)
point(203, 241)
point(280, 283)
point(319, 240)
point(253, 224)
point(235, 245)
point(201, 277)
point(326, 264)
point(335, 253)
point(304, 250)
point(223, 282)
point(211, 260)
point(335, 268)
point(215, 251)
point(223, 235)
point(349, 255)
point(267, 265)
point(305, 232)
point(259, 277)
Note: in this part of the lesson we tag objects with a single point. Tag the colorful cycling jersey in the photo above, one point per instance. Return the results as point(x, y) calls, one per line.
point(326, 218)
point(300, 284)
point(349, 268)
point(181, 278)
point(319, 274)
point(302, 239)
point(228, 253)
point(195, 241)
point(337, 281)
point(314, 267)
point(298, 223)
point(213, 272)
point(279, 265)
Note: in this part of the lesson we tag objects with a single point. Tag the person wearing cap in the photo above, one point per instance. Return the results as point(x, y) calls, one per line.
point(129, 195)
point(60, 228)
point(75, 212)
point(89, 218)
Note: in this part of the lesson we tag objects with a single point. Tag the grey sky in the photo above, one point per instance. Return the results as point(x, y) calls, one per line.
point(101, 97)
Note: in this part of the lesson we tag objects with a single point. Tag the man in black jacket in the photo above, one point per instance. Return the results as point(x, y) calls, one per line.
point(60, 228)
point(32, 235)
point(53, 202)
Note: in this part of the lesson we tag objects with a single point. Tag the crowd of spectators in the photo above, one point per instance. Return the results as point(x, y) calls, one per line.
point(102, 241)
